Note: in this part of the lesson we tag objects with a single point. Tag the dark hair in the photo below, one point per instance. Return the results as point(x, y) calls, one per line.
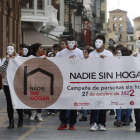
point(112, 48)
point(22, 45)
point(64, 40)
point(119, 46)
point(124, 51)
point(130, 52)
point(71, 38)
point(56, 46)
point(35, 48)
point(101, 37)
point(88, 50)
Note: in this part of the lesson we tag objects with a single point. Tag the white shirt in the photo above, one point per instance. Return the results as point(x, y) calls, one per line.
point(5, 76)
point(96, 54)
point(67, 53)
point(36, 56)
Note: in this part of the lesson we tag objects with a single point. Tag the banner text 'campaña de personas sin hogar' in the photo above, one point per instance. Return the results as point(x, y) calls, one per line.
point(76, 83)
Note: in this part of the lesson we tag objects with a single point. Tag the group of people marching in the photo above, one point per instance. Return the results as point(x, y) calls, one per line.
point(69, 49)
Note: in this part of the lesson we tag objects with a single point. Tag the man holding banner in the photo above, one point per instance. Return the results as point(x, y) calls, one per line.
point(137, 111)
point(98, 121)
point(71, 51)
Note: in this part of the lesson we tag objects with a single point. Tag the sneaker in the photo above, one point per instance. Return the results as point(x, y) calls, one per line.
point(71, 127)
point(49, 113)
point(32, 118)
point(39, 118)
point(83, 119)
point(94, 127)
point(118, 123)
point(101, 127)
point(53, 114)
point(62, 126)
point(130, 118)
point(112, 112)
point(126, 123)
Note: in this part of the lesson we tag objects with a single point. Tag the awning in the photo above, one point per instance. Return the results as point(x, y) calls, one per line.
point(32, 36)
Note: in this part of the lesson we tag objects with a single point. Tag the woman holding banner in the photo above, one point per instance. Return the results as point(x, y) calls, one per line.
point(36, 52)
point(11, 52)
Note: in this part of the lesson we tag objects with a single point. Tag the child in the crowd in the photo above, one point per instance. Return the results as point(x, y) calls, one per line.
point(21, 49)
point(84, 112)
point(124, 52)
point(63, 43)
point(111, 49)
point(56, 49)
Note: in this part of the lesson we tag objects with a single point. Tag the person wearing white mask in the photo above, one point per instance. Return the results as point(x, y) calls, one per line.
point(98, 121)
point(137, 111)
point(25, 51)
point(138, 47)
point(11, 52)
point(71, 51)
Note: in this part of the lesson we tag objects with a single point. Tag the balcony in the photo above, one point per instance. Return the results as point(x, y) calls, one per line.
point(39, 12)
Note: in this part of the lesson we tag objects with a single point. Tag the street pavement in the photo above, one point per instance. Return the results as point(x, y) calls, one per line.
point(47, 130)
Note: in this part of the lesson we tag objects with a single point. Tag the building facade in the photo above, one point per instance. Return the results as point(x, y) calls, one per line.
point(118, 23)
point(99, 26)
point(122, 28)
point(10, 17)
point(136, 31)
point(41, 19)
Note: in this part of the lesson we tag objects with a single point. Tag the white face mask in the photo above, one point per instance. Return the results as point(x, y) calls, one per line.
point(10, 50)
point(119, 53)
point(138, 44)
point(25, 51)
point(98, 43)
point(71, 44)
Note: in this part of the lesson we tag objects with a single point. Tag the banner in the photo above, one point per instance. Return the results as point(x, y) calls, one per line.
point(75, 83)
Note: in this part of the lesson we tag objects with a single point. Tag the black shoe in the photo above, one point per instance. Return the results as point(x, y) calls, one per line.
point(123, 118)
point(112, 112)
point(20, 123)
point(137, 129)
point(118, 123)
point(11, 124)
point(83, 119)
point(126, 123)
point(130, 118)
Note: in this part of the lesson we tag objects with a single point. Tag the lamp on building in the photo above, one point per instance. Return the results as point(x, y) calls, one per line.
point(74, 7)
point(57, 1)
point(86, 19)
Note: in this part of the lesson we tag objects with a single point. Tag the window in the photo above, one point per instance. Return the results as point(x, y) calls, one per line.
point(120, 28)
point(114, 18)
point(120, 18)
point(131, 38)
point(40, 4)
point(114, 27)
point(27, 4)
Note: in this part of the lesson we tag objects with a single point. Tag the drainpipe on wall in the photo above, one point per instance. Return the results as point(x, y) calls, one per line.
point(7, 22)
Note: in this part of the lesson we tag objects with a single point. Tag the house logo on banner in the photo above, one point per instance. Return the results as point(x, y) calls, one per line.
point(38, 83)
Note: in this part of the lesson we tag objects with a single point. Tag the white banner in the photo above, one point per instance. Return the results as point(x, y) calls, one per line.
point(76, 83)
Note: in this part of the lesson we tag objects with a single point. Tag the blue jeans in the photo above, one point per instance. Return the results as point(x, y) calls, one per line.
point(125, 111)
